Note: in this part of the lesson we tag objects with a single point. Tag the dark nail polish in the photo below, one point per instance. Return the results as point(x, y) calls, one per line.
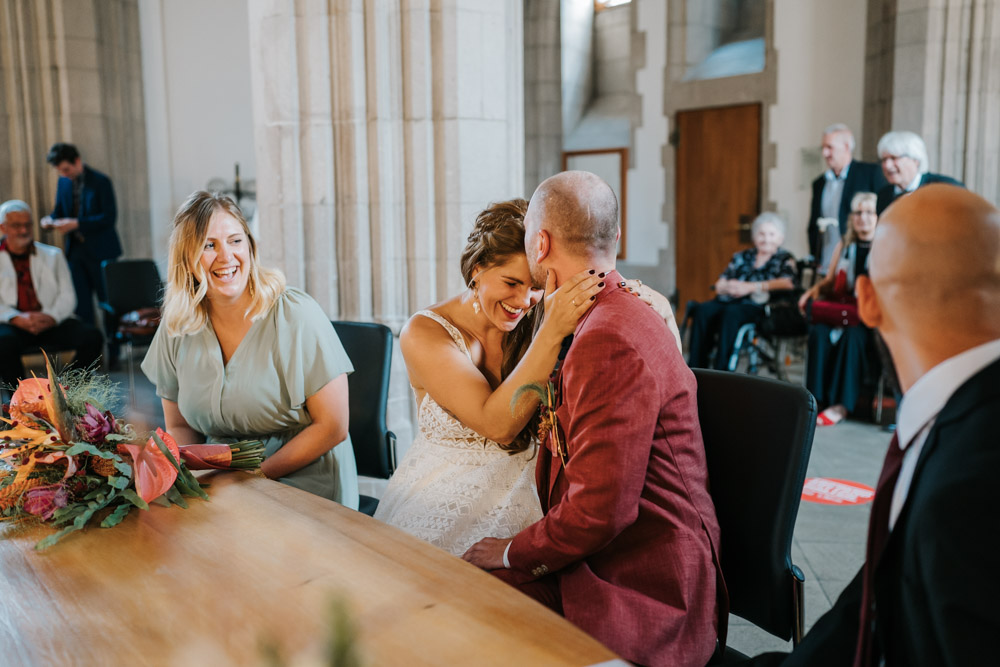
point(600, 284)
point(591, 272)
point(600, 275)
point(592, 298)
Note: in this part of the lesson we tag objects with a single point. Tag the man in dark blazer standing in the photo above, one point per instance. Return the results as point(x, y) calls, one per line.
point(928, 591)
point(833, 190)
point(905, 165)
point(85, 214)
point(628, 547)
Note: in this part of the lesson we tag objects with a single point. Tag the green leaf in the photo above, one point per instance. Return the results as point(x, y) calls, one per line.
point(174, 496)
point(119, 437)
point(61, 417)
point(116, 517)
point(535, 387)
point(134, 498)
point(81, 521)
point(119, 482)
point(55, 537)
point(124, 468)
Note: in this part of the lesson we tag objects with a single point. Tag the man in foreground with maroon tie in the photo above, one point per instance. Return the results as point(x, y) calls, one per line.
point(929, 592)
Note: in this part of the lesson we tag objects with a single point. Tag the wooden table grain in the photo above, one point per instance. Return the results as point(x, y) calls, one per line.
point(259, 565)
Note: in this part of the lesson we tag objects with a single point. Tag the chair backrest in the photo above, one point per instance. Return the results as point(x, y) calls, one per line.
point(758, 434)
point(369, 346)
point(132, 284)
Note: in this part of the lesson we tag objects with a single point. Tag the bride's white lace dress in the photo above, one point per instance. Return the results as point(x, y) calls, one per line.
point(455, 487)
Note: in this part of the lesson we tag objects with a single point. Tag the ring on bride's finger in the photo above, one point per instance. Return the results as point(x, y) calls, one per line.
point(575, 303)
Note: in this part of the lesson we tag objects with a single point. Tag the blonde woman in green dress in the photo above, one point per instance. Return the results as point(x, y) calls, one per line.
point(240, 355)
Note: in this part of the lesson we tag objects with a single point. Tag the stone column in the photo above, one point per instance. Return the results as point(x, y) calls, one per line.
point(543, 131)
point(70, 71)
point(382, 127)
point(944, 57)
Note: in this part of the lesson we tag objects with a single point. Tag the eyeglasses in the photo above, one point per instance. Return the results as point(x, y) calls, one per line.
point(895, 158)
point(863, 211)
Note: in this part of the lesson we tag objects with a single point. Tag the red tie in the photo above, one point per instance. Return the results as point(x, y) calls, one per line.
point(878, 534)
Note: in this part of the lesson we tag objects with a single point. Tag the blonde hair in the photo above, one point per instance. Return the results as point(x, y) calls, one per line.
point(857, 200)
point(185, 310)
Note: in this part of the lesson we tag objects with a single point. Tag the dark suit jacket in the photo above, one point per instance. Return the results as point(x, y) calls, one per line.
point(861, 177)
point(96, 237)
point(629, 531)
point(937, 584)
point(887, 195)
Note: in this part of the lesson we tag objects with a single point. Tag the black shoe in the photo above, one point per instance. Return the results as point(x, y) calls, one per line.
point(889, 428)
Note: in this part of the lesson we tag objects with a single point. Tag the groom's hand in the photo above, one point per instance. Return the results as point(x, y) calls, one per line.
point(487, 553)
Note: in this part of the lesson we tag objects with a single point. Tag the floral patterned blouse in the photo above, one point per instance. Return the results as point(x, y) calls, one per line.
point(741, 267)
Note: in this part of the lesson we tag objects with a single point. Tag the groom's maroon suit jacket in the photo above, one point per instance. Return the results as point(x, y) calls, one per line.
point(629, 533)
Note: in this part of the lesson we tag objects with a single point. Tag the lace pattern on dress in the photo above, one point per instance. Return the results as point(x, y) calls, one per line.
point(455, 487)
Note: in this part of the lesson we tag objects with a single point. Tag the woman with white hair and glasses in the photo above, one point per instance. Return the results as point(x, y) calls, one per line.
point(741, 291)
point(238, 355)
point(904, 162)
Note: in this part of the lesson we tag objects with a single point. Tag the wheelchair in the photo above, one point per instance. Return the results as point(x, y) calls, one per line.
point(769, 343)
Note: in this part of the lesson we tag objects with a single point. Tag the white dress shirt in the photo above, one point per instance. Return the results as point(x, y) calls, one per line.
point(914, 184)
point(921, 406)
point(51, 278)
point(833, 192)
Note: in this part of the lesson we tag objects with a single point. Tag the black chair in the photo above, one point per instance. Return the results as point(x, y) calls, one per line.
point(131, 284)
point(758, 434)
point(370, 348)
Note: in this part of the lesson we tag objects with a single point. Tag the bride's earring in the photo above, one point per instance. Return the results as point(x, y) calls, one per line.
point(475, 297)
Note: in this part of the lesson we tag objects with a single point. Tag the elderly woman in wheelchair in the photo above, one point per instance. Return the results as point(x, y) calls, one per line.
point(840, 345)
point(741, 292)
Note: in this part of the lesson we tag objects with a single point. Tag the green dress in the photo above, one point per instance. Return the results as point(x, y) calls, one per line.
point(286, 356)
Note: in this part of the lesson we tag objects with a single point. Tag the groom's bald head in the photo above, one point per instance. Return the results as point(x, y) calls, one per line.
point(579, 211)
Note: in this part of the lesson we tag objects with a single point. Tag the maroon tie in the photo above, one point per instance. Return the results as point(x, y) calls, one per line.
point(878, 535)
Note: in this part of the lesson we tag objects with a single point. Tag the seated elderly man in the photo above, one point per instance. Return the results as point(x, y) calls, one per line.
point(36, 298)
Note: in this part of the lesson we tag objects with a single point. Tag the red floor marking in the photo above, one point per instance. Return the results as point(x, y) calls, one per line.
point(836, 492)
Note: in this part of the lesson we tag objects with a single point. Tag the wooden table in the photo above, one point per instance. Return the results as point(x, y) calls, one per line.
point(259, 565)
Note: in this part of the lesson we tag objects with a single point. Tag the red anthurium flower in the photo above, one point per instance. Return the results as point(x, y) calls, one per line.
point(29, 399)
point(154, 474)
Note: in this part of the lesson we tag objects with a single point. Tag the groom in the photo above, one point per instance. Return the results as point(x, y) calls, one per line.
point(628, 547)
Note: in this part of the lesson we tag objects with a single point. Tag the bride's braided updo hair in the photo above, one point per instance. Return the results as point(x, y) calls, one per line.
point(498, 236)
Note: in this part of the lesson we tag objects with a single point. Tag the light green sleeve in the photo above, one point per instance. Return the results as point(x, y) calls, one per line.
point(309, 350)
point(160, 364)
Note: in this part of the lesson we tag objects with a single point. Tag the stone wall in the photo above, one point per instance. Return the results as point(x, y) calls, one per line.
point(385, 127)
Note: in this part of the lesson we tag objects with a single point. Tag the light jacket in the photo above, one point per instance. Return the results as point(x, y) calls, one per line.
point(49, 275)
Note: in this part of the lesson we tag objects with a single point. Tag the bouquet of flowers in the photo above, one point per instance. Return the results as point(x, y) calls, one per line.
point(65, 458)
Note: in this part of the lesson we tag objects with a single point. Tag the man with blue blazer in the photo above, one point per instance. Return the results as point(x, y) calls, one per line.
point(927, 593)
point(85, 214)
point(833, 190)
point(905, 165)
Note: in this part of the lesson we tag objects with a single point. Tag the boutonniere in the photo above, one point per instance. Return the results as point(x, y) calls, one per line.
point(549, 423)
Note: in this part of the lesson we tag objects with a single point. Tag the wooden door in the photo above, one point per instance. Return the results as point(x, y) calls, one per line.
point(718, 191)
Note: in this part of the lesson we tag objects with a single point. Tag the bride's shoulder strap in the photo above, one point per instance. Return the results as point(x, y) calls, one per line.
point(452, 330)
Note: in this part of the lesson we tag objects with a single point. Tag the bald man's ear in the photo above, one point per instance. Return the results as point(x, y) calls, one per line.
point(618, 236)
point(869, 308)
point(544, 246)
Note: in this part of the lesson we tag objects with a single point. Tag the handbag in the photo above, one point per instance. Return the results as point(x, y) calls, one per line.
point(142, 322)
point(835, 313)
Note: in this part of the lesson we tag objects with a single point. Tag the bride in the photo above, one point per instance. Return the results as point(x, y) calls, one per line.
point(469, 472)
